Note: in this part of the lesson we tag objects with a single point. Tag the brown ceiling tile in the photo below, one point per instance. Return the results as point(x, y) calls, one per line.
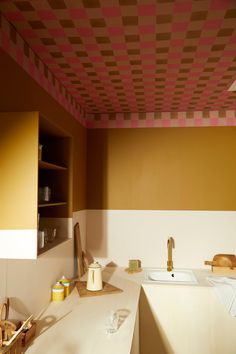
point(130, 20)
point(37, 25)
point(48, 41)
point(132, 38)
point(193, 34)
point(189, 49)
point(67, 23)
point(162, 50)
point(81, 54)
point(231, 13)
point(165, 18)
point(213, 59)
point(133, 51)
point(107, 53)
point(163, 36)
point(101, 39)
point(217, 47)
point(24, 5)
point(57, 4)
point(127, 2)
point(90, 4)
point(64, 65)
point(225, 32)
point(75, 40)
point(97, 22)
point(199, 16)
point(56, 54)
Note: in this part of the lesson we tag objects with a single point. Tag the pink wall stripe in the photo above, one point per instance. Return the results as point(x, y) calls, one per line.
point(164, 120)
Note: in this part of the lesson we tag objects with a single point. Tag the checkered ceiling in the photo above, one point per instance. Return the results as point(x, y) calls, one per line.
point(135, 55)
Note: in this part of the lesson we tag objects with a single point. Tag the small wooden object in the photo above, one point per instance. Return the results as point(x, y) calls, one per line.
point(28, 334)
point(107, 289)
point(134, 266)
point(223, 264)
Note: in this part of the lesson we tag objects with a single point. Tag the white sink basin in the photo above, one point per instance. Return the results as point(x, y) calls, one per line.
point(177, 276)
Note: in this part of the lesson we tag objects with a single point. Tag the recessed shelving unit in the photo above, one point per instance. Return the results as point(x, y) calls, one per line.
point(54, 172)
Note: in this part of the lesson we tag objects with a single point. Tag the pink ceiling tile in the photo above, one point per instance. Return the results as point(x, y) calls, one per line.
point(212, 24)
point(85, 32)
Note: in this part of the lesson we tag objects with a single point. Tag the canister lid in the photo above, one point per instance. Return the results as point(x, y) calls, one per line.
point(95, 265)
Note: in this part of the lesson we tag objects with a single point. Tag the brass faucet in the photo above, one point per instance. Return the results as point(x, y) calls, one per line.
point(170, 246)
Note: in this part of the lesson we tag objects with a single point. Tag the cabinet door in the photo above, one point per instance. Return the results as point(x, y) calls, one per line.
point(18, 184)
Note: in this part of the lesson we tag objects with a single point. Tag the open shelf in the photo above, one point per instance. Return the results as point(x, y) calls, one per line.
point(51, 245)
point(50, 166)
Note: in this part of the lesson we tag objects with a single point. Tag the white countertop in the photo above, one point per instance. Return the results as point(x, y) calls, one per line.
point(78, 325)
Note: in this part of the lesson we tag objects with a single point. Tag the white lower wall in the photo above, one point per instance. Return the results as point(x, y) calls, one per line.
point(28, 282)
point(120, 235)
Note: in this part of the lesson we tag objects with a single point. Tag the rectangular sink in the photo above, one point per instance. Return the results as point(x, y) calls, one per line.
point(177, 276)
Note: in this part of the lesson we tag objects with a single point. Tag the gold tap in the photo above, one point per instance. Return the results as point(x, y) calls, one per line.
point(170, 246)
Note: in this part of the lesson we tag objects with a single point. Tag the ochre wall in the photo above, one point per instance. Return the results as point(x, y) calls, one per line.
point(162, 168)
point(19, 92)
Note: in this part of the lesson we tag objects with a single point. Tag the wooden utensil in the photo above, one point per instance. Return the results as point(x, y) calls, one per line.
point(78, 251)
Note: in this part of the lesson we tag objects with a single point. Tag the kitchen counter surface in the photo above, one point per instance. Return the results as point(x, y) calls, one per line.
point(78, 325)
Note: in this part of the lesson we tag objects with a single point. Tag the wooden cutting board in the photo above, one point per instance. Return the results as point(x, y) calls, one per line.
point(78, 251)
point(107, 289)
point(224, 271)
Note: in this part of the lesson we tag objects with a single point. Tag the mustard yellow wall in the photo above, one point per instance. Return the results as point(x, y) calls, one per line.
point(19, 92)
point(162, 168)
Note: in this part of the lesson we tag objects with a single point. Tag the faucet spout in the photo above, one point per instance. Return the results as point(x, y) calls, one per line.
point(170, 246)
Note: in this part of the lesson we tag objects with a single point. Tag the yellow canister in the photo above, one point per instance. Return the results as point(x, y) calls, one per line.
point(58, 292)
point(66, 283)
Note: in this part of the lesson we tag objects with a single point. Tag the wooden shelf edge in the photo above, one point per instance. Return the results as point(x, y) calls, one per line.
point(52, 245)
point(45, 205)
point(50, 166)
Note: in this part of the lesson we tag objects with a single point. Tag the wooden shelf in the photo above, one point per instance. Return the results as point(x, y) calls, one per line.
point(51, 204)
point(51, 245)
point(50, 166)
